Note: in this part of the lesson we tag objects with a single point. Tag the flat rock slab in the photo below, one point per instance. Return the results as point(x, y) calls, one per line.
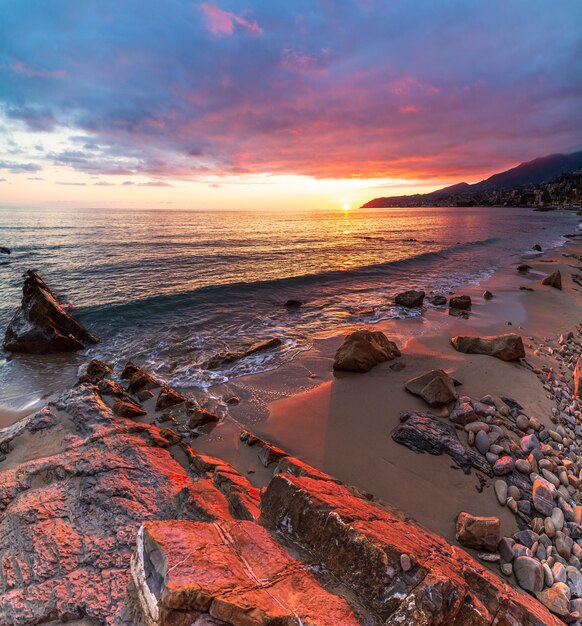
point(423, 432)
point(232, 571)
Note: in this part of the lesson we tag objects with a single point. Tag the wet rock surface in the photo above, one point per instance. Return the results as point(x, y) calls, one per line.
point(41, 325)
point(410, 299)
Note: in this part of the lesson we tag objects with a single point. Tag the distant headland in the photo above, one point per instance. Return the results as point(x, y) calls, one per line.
point(553, 181)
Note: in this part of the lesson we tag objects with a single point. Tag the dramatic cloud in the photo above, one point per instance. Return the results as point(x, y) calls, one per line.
point(330, 89)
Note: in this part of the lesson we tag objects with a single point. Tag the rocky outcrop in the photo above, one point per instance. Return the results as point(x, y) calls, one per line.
point(41, 325)
point(226, 358)
point(364, 349)
point(436, 388)
point(507, 347)
point(403, 574)
point(410, 299)
point(553, 280)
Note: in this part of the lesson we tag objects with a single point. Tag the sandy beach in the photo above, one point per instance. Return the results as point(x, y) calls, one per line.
point(342, 423)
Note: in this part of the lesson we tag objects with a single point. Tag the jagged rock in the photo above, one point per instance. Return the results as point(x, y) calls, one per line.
point(423, 432)
point(507, 347)
point(129, 370)
point(410, 299)
point(487, 295)
point(436, 388)
point(364, 349)
point(41, 325)
point(537, 247)
point(69, 519)
point(4, 250)
point(233, 571)
point(555, 598)
point(200, 417)
point(293, 304)
point(168, 398)
point(141, 380)
point(553, 280)
point(226, 358)
point(98, 369)
point(109, 387)
point(523, 267)
point(480, 533)
point(125, 407)
point(268, 453)
point(461, 303)
point(444, 586)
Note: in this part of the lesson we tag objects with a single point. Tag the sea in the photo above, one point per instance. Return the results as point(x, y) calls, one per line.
point(170, 289)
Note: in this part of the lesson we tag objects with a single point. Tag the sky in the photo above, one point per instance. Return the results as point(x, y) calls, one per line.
point(278, 104)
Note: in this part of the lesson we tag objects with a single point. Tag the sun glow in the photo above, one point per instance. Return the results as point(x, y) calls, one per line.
point(346, 206)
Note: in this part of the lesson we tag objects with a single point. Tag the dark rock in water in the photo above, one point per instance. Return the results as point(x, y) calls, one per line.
point(129, 370)
point(293, 304)
point(436, 388)
point(362, 350)
point(525, 289)
point(438, 301)
point(505, 347)
point(523, 267)
point(125, 407)
point(201, 417)
point(410, 299)
point(141, 380)
point(537, 247)
point(461, 303)
point(4, 250)
point(553, 280)
point(487, 295)
point(226, 358)
point(41, 325)
point(423, 432)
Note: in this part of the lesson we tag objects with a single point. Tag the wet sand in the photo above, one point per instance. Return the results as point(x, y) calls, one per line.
point(342, 424)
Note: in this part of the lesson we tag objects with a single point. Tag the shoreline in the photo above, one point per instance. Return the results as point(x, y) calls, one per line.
point(332, 422)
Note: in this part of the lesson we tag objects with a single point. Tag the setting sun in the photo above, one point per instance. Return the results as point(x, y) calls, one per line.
point(346, 206)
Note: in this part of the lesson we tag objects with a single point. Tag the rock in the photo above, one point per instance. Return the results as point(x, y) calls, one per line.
point(463, 414)
point(410, 299)
point(423, 432)
point(555, 598)
point(293, 304)
point(480, 533)
point(168, 398)
point(523, 466)
point(364, 349)
point(553, 280)
point(98, 369)
point(230, 570)
point(523, 267)
point(487, 295)
point(405, 563)
point(528, 443)
point(522, 422)
point(436, 388)
point(445, 585)
point(268, 453)
point(70, 513)
point(505, 548)
point(574, 581)
point(41, 325)
point(505, 347)
point(503, 466)
point(543, 496)
point(482, 442)
point(226, 358)
point(127, 408)
point(4, 250)
point(141, 380)
point(557, 518)
point(537, 247)
point(144, 395)
point(559, 573)
point(500, 487)
point(528, 573)
point(438, 301)
point(461, 303)
point(201, 417)
point(108, 387)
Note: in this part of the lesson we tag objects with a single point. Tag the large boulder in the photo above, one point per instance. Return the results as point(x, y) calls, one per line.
point(362, 350)
point(41, 325)
point(507, 347)
point(480, 533)
point(410, 299)
point(553, 280)
point(436, 388)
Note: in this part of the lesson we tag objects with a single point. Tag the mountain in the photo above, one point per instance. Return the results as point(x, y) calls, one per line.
point(527, 185)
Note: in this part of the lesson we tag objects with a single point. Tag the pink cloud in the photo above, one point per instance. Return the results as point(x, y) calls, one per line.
point(303, 63)
point(220, 22)
point(29, 70)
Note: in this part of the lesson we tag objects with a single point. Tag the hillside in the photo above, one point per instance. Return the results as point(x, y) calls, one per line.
point(553, 180)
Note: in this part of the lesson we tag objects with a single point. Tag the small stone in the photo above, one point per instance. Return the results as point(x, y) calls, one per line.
point(481, 533)
point(555, 598)
point(529, 573)
point(503, 466)
point(522, 422)
point(500, 487)
point(521, 465)
point(482, 442)
point(514, 492)
point(505, 548)
point(543, 496)
point(529, 443)
point(559, 573)
point(558, 518)
point(405, 562)
point(506, 569)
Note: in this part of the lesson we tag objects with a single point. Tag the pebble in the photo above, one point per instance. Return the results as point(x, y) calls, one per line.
point(523, 466)
point(503, 466)
point(522, 422)
point(500, 487)
point(482, 442)
point(405, 562)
